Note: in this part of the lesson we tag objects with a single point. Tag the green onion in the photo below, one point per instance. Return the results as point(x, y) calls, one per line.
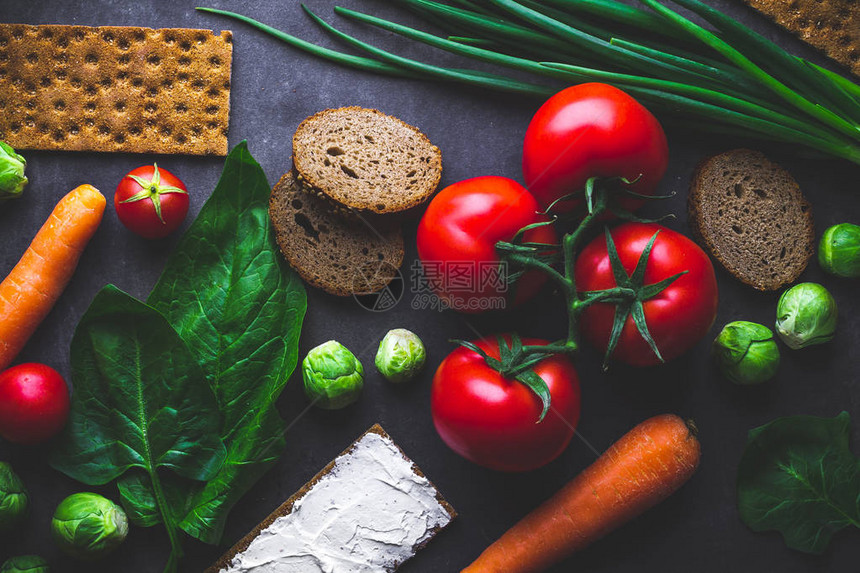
point(729, 80)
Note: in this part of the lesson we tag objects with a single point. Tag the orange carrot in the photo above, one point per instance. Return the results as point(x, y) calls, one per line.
point(639, 471)
point(37, 281)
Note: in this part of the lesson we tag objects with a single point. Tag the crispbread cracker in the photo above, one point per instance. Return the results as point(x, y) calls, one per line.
point(115, 88)
point(832, 26)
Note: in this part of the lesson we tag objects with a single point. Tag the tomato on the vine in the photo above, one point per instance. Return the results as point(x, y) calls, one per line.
point(457, 239)
point(34, 403)
point(592, 130)
point(677, 317)
point(494, 421)
point(151, 201)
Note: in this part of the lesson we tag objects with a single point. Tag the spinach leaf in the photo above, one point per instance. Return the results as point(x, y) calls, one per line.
point(141, 405)
point(228, 294)
point(798, 476)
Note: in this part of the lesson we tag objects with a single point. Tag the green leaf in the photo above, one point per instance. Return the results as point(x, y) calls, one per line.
point(799, 477)
point(240, 309)
point(537, 385)
point(142, 409)
point(140, 400)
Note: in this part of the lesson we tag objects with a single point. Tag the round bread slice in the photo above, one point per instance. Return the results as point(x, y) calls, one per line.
point(366, 160)
point(342, 256)
point(750, 214)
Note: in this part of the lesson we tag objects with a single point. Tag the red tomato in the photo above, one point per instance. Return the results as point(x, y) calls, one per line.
point(34, 403)
point(457, 237)
point(492, 420)
point(592, 130)
point(151, 202)
point(677, 318)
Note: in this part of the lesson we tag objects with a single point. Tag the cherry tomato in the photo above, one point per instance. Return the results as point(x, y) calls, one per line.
point(492, 420)
point(151, 201)
point(457, 237)
point(34, 403)
point(677, 318)
point(592, 130)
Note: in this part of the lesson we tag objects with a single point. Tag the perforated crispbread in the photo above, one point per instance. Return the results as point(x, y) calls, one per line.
point(832, 26)
point(115, 88)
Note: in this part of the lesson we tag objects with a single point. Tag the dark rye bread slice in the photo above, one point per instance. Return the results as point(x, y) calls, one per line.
point(287, 507)
point(752, 217)
point(366, 160)
point(343, 256)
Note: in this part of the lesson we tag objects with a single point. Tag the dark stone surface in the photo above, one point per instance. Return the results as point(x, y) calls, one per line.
point(274, 87)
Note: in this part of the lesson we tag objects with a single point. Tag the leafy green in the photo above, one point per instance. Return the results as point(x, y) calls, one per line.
point(141, 405)
point(725, 79)
point(240, 309)
point(799, 477)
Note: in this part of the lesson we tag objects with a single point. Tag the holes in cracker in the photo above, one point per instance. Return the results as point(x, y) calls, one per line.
point(167, 84)
point(185, 46)
point(150, 107)
point(137, 82)
point(213, 93)
point(104, 130)
point(45, 82)
point(123, 60)
point(90, 106)
point(200, 38)
point(91, 58)
point(108, 37)
point(184, 61)
point(32, 58)
point(198, 85)
point(123, 44)
point(153, 60)
point(119, 106)
point(134, 130)
point(152, 92)
point(215, 61)
point(139, 36)
point(212, 109)
point(181, 108)
point(59, 105)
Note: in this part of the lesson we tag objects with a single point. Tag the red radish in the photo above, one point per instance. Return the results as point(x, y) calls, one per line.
point(34, 403)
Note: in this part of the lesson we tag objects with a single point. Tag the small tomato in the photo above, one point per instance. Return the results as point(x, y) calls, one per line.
point(677, 317)
point(457, 239)
point(494, 421)
point(592, 130)
point(151, 202)
point(34, 403)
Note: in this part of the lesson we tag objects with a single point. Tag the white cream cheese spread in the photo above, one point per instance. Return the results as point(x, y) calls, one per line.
point(367, 515)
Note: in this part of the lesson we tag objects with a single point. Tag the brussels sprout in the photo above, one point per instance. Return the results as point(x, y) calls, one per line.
point(839, 250)
point(333, 376)
point(88, 526)
point(400, 356)
point(13, 498)
point(12, 179)
point(746, 352)
point(25, 564)
point(806, 315)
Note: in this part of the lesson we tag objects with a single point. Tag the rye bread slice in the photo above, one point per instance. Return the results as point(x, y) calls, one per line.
point(286, 508)
point(341, 255)
point(366, 160)
point(750, 214)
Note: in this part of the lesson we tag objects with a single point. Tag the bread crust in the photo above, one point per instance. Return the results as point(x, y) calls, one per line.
point(701, 191)
point(355, 274)
point(350, 201)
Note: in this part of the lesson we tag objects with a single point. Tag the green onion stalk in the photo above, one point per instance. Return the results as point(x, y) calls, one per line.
point(724, 78)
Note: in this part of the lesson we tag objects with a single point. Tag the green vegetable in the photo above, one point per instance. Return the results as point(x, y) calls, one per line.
point(401, 355)
point(14, 500)
point(746, 352)
point(806, 315)
point(228, 293)
point(25, 564)
point(333, 376)
point(227, 312)
point(12, 179)
point(839, 250)
point(140, 410)
point(731, 80)
point(88, 526)
point(798, 476)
